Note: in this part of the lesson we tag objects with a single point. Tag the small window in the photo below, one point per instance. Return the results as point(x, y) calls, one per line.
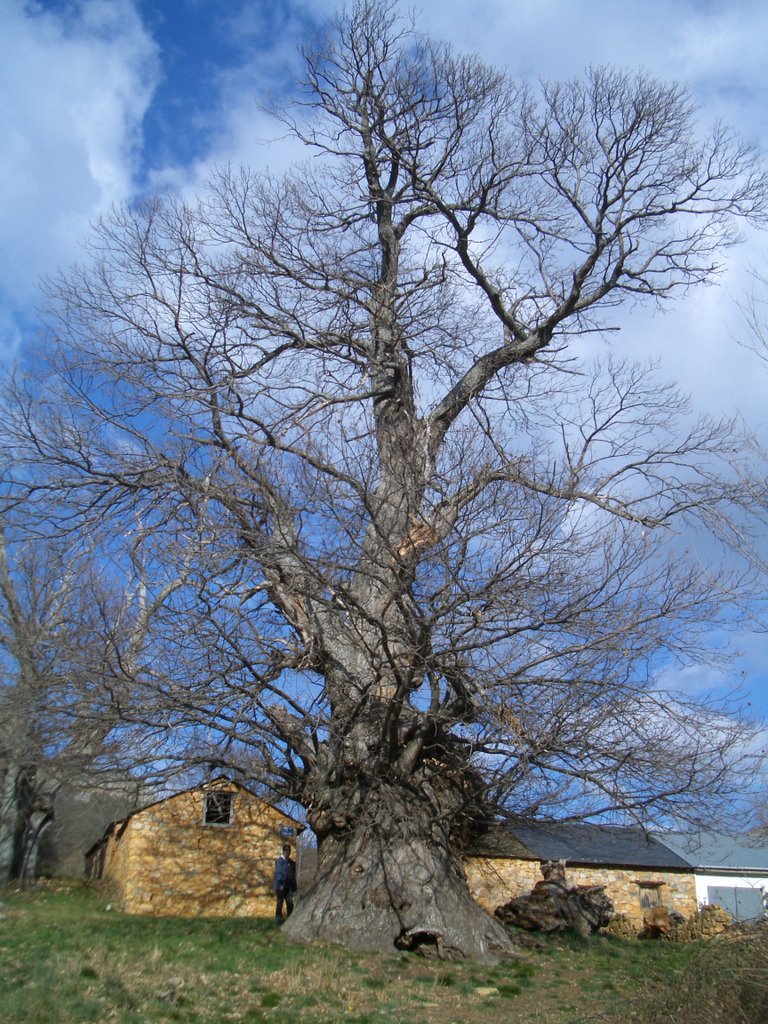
point(650, 894)
point(218, 809)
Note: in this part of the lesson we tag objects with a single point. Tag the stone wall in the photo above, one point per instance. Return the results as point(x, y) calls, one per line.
point(494, 881)
point(166, 861)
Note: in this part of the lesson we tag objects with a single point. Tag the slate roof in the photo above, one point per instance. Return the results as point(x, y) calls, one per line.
point(579, 843)
point(499, 841)
point(715, 851)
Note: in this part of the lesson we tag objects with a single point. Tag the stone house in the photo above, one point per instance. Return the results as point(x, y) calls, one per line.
point(637, 870)
point(206, 852)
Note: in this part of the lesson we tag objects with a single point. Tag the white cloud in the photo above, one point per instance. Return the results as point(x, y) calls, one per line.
point(74, 87)
point(694, 680)
point(743, 679)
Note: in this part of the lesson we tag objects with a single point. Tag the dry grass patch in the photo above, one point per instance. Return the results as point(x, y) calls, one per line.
point(725, 982)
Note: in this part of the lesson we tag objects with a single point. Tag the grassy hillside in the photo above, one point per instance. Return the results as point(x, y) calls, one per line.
point(66, 958)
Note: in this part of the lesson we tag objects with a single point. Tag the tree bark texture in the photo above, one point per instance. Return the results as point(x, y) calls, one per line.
point(392, 882)
point(9, 820)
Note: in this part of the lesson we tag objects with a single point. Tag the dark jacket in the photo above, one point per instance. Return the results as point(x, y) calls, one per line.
point(285, 875)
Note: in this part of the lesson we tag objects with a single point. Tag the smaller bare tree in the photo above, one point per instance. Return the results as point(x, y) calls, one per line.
point(61, 621)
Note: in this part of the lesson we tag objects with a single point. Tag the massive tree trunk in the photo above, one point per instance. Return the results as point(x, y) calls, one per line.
point(390, 881)
point(388, 813)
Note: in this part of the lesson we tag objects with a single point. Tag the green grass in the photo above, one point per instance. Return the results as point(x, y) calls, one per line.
point(66, 959)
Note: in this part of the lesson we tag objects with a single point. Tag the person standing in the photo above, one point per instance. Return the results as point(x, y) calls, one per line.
point(285, 884)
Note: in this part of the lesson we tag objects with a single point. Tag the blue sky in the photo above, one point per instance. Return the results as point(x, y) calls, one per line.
point(104, 99)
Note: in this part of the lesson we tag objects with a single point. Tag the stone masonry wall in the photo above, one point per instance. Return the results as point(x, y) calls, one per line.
point(494, 881)
point(678, 888)
point(168, 862)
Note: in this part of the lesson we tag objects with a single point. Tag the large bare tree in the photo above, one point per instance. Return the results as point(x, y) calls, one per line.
point(435, 567)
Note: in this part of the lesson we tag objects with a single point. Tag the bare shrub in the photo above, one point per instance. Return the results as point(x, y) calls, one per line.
point(727, 981)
